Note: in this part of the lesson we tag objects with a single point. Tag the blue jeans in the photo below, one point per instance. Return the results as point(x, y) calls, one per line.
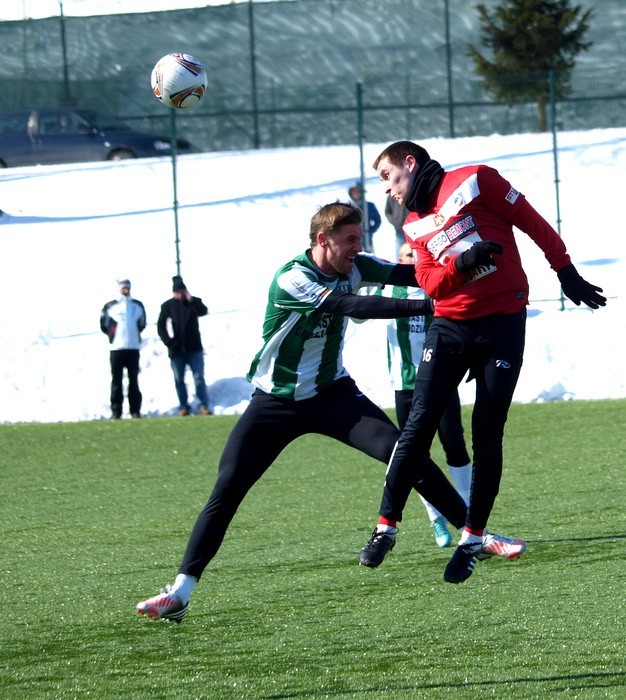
point(195, 362)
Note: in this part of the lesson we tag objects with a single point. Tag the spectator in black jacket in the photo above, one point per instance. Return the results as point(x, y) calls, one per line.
point(179, 329)
point(371, 221)
point(396, 214)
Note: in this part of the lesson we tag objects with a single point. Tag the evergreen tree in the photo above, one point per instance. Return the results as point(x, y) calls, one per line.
point(527, 39)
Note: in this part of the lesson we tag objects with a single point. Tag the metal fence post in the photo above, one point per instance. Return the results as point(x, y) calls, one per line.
point(253, 81)
point(555, 158)
point(67, 97)
point(367, 242)
point(173, 142)
point(449, 68)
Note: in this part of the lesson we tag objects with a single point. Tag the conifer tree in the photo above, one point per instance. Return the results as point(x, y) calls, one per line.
point(527, 39)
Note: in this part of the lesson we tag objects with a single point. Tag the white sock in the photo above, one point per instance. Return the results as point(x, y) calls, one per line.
point(470, 538)
point(433, 513)
point(183, 586)
point(387, 529)
point(462, 478)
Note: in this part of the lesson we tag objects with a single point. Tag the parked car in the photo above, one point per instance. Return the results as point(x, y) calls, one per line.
point(62, 135)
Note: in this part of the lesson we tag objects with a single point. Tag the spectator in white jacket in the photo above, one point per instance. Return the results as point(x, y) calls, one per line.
point(122, 320)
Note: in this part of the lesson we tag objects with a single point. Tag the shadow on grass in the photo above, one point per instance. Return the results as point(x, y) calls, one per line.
point(594, 678)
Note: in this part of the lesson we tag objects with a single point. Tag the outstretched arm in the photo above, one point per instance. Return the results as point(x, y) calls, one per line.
point(403, 275)
point(364, 307)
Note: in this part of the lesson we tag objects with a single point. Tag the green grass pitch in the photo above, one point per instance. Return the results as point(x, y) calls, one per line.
point(95, 516)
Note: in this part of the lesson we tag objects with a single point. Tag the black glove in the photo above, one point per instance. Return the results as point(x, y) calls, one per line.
point(578, 289)
point(478, 255)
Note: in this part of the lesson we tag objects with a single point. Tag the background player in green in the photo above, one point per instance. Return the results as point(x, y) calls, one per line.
point(302, 386)
point(405, 343)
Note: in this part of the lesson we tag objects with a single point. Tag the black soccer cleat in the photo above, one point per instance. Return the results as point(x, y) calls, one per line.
point(374, 552)
point(461, 565)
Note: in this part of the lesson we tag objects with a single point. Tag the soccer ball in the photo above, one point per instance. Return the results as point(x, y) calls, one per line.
point(179, 80)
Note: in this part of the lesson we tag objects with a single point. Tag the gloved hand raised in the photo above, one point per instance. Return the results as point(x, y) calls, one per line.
point(578, 289)
point(479, 254)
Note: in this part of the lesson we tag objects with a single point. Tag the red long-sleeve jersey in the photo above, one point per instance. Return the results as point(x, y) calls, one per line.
point(476, 203)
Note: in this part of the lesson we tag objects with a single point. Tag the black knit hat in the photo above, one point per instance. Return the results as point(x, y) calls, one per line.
point(177, 283)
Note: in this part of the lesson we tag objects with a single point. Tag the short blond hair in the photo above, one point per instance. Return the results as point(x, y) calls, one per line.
point(332, 217)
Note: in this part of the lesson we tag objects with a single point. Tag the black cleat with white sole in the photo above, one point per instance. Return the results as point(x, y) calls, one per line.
point(374, 552)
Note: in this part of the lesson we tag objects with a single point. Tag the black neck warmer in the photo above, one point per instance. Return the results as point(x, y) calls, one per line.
point(426, 182)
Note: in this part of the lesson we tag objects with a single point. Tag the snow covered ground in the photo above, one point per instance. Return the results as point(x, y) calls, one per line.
point(69, 232)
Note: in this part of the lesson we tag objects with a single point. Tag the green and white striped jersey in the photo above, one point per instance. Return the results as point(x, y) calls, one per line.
point(405, 341)
point(303, 346)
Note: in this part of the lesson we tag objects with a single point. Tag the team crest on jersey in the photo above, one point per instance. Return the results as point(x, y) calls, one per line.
point(438, 219)
point(459, 200)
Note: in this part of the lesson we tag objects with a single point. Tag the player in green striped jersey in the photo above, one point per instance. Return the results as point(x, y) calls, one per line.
point(301, 386)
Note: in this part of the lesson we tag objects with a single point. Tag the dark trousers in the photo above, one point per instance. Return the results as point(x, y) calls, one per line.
point(265, 428)
point(450, 429)
point(128, 360)
point(491, 348)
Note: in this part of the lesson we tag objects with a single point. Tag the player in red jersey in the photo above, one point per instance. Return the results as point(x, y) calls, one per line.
point(460, 226)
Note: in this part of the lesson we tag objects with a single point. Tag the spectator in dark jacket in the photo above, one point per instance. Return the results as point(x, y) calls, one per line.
point(396, 214)
point(179, 329)
point(372, 222)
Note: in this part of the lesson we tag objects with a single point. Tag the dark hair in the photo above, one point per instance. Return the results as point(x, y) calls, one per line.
point(331, 217)
point(398, 151)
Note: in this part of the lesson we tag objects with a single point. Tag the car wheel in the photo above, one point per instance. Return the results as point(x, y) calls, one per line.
point(121, 154)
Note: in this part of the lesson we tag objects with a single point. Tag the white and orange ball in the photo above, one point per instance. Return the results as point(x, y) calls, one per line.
point(179, 80)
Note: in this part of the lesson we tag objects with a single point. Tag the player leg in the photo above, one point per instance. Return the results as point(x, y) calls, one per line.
point(266, 426)
point(496, 364)
point(403, 400)
point(264, 429)
point(500, 363)
point(453, 442)
point(344, 413)
point(438, 376)
point(450, 433)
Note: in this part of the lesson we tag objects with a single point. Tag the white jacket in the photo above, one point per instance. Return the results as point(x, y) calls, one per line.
point(122, 320)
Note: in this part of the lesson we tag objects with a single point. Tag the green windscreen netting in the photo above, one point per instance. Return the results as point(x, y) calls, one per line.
point(284, 74)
